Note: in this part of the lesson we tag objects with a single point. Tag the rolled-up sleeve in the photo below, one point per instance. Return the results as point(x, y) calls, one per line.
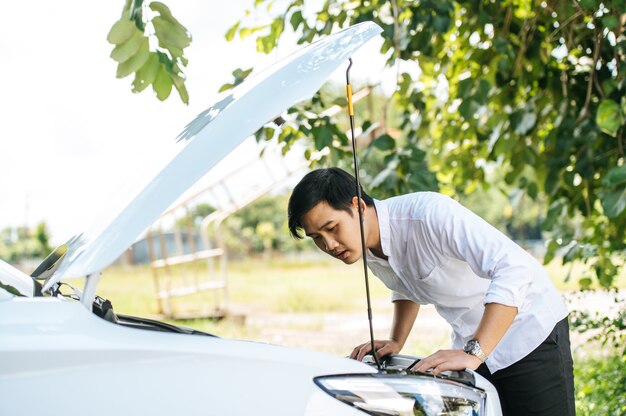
point(460, 233)
point(395, 295)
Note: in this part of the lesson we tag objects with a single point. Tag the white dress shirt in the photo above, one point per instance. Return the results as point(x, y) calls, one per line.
point(441, 253)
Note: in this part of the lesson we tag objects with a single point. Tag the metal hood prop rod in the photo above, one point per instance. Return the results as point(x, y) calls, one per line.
point(360, 209)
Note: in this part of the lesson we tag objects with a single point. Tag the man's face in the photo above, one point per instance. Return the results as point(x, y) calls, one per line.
point(335, 232)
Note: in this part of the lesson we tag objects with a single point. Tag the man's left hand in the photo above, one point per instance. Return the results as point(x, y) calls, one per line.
point(444, 360)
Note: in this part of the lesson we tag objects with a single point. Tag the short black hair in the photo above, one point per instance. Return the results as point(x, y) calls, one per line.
point(334, 186)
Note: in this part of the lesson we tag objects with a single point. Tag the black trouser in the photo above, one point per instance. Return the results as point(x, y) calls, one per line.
point(542, 383)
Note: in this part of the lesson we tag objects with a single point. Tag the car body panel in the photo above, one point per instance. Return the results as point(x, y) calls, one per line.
point(14, 282)
point(204, 142)
point(52, 345)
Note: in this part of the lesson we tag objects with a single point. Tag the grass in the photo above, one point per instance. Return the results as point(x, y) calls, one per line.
point(277, 286)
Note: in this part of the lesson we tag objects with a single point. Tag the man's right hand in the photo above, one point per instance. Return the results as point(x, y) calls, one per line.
point(383, 347)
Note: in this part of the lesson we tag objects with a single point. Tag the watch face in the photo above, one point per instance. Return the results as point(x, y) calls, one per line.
point(471, 346)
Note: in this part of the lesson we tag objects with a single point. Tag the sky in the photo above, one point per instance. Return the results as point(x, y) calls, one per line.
point(71, 133)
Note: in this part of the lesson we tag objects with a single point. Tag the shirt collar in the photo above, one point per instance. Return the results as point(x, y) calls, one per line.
point(382, 212)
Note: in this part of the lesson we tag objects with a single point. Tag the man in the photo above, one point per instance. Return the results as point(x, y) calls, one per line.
point(509, 323)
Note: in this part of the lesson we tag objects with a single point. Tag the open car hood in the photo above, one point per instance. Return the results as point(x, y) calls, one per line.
point(203, 143)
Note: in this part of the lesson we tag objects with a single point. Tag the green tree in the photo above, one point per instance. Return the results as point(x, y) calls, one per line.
point(159, 63)
point(535, 89)
point(43, 238)
point(262, 218)
point(267, 233)
point(23, 243)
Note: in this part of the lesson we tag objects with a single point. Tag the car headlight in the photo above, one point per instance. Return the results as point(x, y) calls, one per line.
point(383, 394)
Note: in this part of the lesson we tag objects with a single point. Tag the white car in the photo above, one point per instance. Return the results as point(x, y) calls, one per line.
point(71, 354)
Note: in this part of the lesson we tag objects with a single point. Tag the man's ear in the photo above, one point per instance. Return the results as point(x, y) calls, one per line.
point(355, 202)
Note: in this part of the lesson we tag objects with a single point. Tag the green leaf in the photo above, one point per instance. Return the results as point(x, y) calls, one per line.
point(553, 246)
point(147, 73)
point(164, 12)
point(135, 10)
point(264, 44)
point(226, 87)
point(175, 52)
point(608, 86)
point(483, 91)
point(609, 117)
point(523, 121)
point(533, 190)
point(170, 34)
point(464, 88)
point(230, 34)
point(241, 74)
point(179, 84)
point(123, 52)
point(610, 21)
point(134, 63)
point(296, 19)
point(121, 31)
point(572, 254)
point(322, 137)
point(248, 31)
point(162, 84)
point(269, 133)
point(585, 283)
point(468, 108)
point(384, 142)
point(589, 4)
point(555, 214)
point(614, 202)
point(441, 23)
point(615, 176)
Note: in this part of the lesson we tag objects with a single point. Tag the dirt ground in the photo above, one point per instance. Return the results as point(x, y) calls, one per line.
point(339, 333)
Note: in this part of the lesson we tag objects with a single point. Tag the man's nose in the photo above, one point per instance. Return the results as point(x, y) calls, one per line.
point(331, 244)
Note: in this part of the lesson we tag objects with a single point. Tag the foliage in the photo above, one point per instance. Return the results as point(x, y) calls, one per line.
point(600, 385)
point(601, 379)
point(609, 330)
point(259, 227)
point(510, 211)
point(195, 216)
point(150, 43)
point(534, 88)
point(22, 243)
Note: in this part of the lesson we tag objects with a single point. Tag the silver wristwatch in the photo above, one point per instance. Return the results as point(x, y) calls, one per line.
point(473, 348)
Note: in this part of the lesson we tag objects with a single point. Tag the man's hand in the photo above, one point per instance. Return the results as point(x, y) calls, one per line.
point(383, 347)
point(444, 360)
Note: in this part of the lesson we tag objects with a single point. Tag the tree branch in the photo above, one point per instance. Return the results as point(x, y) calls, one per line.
point(620, 145)
point(396, 37)
point(596, 54)
point(522, 49)
point(564, 85)
point(562, 26)
point(507, 21)
point(528, 31)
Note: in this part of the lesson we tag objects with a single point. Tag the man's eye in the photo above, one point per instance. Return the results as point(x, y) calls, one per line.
point(333, 228)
